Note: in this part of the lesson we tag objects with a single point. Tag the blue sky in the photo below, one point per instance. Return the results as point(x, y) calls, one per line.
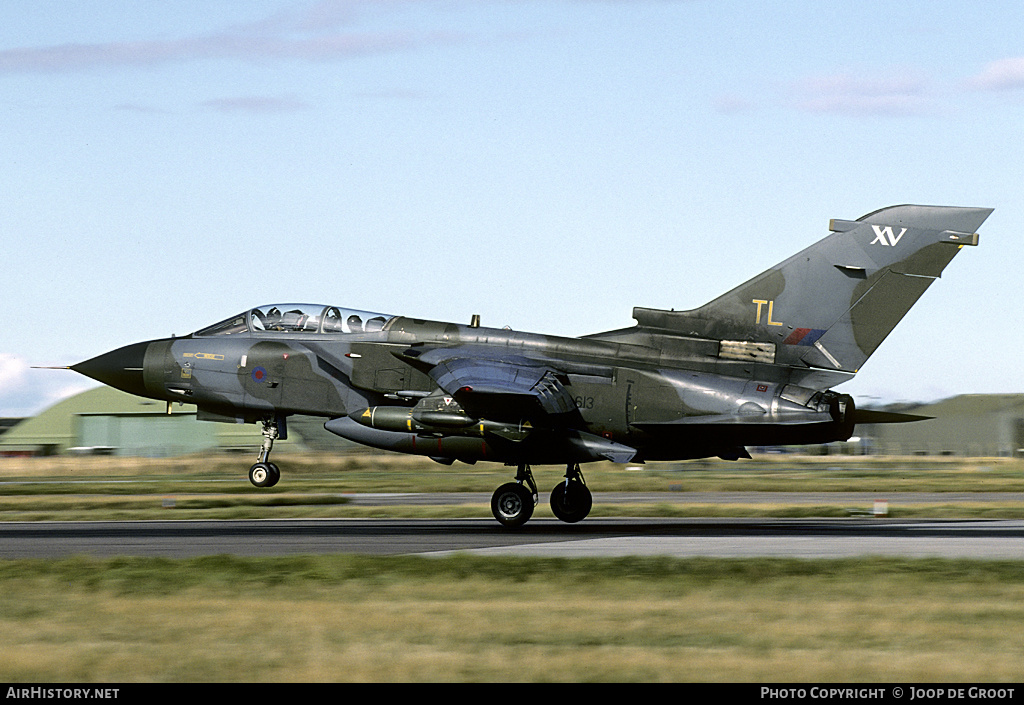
point(548, 164)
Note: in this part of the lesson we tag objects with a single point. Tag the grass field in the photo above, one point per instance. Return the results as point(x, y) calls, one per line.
point(399, 619)
point(313, 485)
point(350, 618)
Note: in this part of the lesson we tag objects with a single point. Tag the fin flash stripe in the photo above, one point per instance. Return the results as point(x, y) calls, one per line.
point(804, 336)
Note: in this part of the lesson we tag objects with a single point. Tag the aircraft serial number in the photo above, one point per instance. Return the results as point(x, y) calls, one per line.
point(584, 402)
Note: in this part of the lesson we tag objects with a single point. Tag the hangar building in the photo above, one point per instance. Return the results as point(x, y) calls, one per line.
point(969, 425)
point(105, 420)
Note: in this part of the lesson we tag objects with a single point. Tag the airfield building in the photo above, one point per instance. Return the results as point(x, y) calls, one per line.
point(111, 422)
point(969, 425)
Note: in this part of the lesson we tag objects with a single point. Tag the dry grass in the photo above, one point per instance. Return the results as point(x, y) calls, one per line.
point(314, 485)
point(459, 619)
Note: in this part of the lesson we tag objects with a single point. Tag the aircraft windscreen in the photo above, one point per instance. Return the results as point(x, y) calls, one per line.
point(299, 318)
point(232, 326)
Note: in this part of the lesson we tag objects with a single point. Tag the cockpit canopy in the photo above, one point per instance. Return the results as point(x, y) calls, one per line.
point(299, 318)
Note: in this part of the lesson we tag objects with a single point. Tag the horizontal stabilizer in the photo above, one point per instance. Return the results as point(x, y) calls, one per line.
point(862, 416)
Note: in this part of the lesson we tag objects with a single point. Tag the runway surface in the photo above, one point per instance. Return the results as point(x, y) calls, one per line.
point(799, 538)
point(861, 501)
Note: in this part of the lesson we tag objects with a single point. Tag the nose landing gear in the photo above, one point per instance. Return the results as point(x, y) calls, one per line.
point(265, 473)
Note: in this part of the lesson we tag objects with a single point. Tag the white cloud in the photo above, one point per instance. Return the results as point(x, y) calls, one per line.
point(849, 94)
point(312, 34)
point(1003, 74)
point(25, 391)
point(77, 57)
point(12, 371)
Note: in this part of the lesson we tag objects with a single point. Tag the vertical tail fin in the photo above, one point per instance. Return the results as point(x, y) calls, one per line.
point(831, 305)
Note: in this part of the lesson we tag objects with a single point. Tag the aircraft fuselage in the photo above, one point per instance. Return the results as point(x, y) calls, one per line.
point(620, 393)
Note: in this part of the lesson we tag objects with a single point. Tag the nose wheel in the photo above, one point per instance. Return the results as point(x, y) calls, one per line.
point(265, 473)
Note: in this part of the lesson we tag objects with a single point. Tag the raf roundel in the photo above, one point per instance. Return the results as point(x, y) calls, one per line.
point(259, 374)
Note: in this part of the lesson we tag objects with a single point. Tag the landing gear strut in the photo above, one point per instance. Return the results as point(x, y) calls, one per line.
point(512, 504)
point(571, 500)
point(265, 473)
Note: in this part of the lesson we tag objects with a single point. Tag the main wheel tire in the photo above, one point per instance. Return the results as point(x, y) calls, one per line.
point(275, 475)
point(571, 502)
point(262, 475)
point(512, 504)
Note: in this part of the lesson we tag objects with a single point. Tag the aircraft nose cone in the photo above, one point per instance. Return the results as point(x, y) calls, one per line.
point(121, 368)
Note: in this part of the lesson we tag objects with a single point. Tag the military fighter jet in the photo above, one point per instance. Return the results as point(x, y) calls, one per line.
point(752, 367)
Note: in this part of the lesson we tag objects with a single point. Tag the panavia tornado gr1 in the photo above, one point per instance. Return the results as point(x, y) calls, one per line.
point(753, 367)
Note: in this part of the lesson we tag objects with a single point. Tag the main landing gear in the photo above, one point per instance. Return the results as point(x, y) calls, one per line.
point(513, 503)
point(571, 500)
point(265, 473)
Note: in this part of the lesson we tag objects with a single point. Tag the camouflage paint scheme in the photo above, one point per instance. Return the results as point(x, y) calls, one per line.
point(752, 367)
